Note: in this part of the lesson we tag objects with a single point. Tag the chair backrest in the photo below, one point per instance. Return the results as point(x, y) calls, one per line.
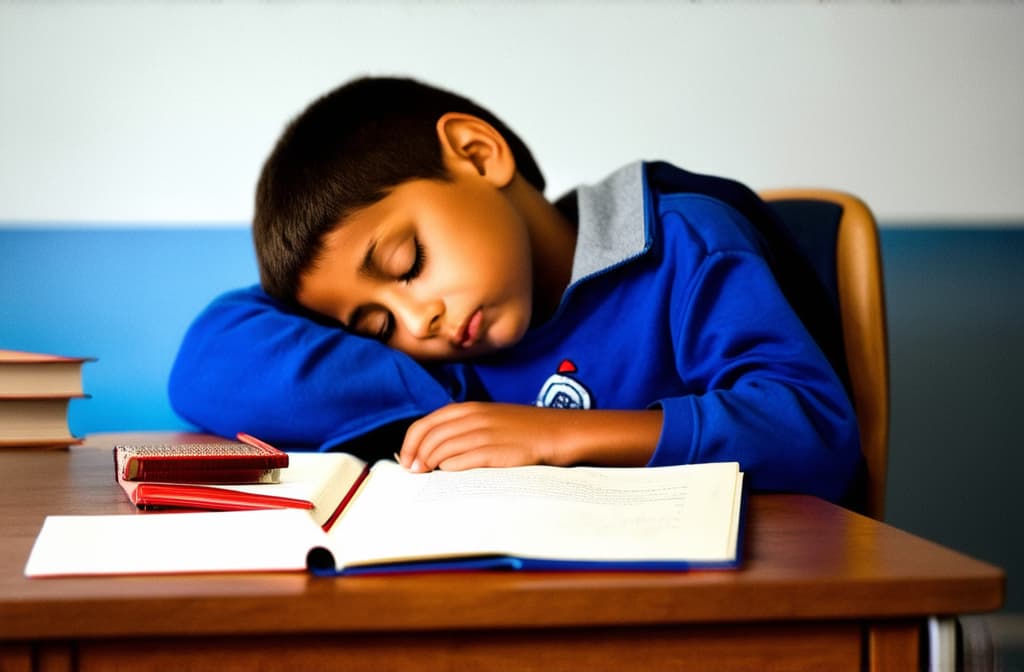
point(837, 235)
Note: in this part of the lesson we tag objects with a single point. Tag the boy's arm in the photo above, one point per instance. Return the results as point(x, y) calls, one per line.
point(766, 398)
point(247, 363)
point(484, 434)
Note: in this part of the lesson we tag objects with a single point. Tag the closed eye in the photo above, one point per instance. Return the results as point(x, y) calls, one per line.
point(417, 263)
point(376, 323)
point(387, 328)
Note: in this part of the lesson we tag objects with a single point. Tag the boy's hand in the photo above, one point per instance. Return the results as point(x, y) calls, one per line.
point(481, 434)
point(484, 434)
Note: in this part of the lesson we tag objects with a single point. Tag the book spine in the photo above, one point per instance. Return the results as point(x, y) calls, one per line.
point(188, 467)
point(211, 476)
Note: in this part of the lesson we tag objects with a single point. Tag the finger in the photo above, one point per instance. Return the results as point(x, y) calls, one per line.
point(475, 447)
point(415, 444)
point(454, 435)
point(487, 456)
point(408, 454)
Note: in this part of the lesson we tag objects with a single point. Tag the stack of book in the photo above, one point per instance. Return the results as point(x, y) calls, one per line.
point(35, 390)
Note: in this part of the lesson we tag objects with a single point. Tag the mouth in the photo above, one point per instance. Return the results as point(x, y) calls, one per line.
point(469, 331)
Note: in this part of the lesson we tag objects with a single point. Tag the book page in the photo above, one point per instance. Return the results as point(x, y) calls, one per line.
point(320, 478)
point(665, 513)
point(235, 541)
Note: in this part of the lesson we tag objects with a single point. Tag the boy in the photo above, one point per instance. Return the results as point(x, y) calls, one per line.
point(412, 268)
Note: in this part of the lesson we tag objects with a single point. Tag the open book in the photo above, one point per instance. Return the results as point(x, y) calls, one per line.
point(670, 518)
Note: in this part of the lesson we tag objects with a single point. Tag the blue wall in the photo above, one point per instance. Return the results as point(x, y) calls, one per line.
point(124, 296)
point(956, 328)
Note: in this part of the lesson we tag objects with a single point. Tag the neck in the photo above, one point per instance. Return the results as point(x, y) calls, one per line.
point(552, 246)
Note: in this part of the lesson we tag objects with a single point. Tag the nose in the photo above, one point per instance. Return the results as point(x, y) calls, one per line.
point(422, 317)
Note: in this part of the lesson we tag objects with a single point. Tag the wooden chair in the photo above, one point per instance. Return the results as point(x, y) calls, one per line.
point(838, 236)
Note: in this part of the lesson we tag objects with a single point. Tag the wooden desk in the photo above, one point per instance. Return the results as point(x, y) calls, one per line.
point(821, 589)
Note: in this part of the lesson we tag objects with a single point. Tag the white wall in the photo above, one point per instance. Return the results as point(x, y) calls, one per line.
point(163, 111)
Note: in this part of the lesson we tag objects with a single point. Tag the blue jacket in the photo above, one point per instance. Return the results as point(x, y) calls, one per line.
point(672, 305)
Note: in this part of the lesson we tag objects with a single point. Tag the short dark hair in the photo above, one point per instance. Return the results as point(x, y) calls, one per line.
point(346, 151)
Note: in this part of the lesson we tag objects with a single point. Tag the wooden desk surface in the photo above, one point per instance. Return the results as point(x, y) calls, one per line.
point(804, 561)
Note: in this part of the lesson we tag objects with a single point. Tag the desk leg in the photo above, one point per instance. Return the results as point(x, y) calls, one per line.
point(894, 646)
point(16, 657)
point(37, 657)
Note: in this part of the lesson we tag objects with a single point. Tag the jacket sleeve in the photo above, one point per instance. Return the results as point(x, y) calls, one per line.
point(764, 394)
point(249, 364)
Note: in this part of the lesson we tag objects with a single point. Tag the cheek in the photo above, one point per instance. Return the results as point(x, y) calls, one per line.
point(504, 243)
point(512, 265)
point(500, 267)
point(509, 281)
point(511, 325)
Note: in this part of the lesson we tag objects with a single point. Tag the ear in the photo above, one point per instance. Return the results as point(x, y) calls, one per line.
point(469, 143)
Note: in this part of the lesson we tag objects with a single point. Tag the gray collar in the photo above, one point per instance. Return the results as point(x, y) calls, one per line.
point(612, 227)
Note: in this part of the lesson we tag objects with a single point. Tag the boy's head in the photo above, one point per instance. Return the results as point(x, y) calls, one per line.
point(346, 151)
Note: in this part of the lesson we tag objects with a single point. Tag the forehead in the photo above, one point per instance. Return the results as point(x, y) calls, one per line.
point(348, 242)
point(394, 209)
point(344, 249)
point(353, 233)
point(341, 252)
point(404, 205)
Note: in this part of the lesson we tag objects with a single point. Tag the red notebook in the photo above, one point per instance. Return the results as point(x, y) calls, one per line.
point(247, 461)
point(321, 483)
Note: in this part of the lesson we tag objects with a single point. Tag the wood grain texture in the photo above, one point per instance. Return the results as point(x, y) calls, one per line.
point(812, 573)
point(894, 647)
point(833, 647)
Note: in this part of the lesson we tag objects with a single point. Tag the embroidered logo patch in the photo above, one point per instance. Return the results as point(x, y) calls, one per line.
point(560, 390)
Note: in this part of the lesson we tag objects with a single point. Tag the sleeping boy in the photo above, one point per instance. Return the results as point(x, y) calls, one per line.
point(414, 275)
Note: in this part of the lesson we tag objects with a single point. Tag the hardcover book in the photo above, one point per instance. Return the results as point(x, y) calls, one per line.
point(35, 390)
point(32, 374)
point(248, 460)
point(35, 423)
point(527, 518)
